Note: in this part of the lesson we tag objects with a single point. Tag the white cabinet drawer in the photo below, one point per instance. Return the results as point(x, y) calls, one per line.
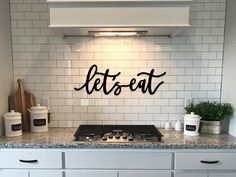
point(117, 160)
point(222, 174)
point(13, 173)
point(205, 161)
point(144, 174)
point(94, 173)
point(30, 159)
point(45, 173)
point(191, 174)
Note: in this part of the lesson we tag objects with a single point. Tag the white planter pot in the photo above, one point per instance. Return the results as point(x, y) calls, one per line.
point(212, 127)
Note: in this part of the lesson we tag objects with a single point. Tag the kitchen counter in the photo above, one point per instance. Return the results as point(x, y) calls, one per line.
point(63, 138)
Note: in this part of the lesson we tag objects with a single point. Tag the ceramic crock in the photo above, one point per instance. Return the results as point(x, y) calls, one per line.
point(191, 124)
point(13, 124)
point(38, 118)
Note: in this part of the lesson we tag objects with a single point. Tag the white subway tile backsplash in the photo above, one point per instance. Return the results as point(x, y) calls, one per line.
point(153, 109)
point(209, 55)
point(185, 79)
point(202, 31)
point(24, 40)
point(51, 67)
point(212, 6)
point(208, 86)
point(40, 7)
point(22, 7)
point(176, 86)
point(216, 63)
point(208, 71)
point(217, 31)
point(168, 109)
point(192, 86)
point(218, 15)
point(200, 79)
point(214, 79)
point(31, 15)
point(55, 87)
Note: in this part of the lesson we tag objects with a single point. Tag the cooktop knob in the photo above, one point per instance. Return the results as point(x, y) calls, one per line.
point(130, 138)
point(117, 136)
point(124, 135)
point(104, 138)
point(110, 136)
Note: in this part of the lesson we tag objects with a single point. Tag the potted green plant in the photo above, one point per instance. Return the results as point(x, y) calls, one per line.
point(212, 113)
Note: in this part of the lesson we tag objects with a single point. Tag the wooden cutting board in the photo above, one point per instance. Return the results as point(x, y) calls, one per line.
point(20, 102)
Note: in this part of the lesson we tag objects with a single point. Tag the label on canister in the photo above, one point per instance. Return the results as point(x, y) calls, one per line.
point(39, 122)
point(16, 127)
point(191, 128)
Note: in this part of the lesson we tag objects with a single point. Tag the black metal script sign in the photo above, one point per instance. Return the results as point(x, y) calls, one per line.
point(94, 83)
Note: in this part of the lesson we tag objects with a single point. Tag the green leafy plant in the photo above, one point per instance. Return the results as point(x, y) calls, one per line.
point(211, 111)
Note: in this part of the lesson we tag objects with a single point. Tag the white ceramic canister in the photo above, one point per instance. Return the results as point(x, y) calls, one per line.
point(38, 118)
point(13, 124)
point(191, 124)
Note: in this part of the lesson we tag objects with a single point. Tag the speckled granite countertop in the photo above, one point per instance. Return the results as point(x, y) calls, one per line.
point(63, 138)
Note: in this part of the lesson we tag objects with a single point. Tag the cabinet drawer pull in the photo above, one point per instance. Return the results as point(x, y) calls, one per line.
point(28, 161)
point(210, 162)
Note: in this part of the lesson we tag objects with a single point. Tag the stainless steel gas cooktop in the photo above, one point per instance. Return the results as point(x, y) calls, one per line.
point(118, 133)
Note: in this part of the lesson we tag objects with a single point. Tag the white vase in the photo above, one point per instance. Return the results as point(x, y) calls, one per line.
point(212, 127)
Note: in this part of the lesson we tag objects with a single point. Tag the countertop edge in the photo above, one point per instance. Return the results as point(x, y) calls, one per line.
point(114, 146)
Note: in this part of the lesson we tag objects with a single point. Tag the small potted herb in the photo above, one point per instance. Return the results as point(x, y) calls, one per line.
point(212, 113)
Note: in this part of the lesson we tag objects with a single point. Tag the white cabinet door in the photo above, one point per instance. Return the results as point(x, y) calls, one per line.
point(222, 174)
point(205, 161)
point(118, 159)
point(144, 174)
point(45, 173)
point(13, 173)
point(30, 159)
point(191, 174)
point(91, 173)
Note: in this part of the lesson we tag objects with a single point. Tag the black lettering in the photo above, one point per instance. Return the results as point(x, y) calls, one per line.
point(144, 85)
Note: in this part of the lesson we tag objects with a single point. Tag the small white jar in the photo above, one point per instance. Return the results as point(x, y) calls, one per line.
point(191, 124)
point(168, 125)
point(38, 118)
point(178, 126)
point(13, 124)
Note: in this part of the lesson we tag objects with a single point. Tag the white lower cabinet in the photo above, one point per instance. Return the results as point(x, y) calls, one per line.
point(144, 174)
point(96, 173)
point(205, 161)
point(45, 173)
point(205, 164)
point(90, 173)
point(13, 173)
point(30, 163)
point(116, 163)
point(189, 174)
point(222, 174)
point(118, 159)
point(30, 159)
point(199, 174)
point(26, 173)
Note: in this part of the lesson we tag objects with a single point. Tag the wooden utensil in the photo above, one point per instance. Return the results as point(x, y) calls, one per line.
point(20, 102)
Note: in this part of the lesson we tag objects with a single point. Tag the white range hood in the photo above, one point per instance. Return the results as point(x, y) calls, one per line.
point(127, 17)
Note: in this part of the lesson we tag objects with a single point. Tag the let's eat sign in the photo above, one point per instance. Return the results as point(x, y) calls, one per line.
point(94, 82)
